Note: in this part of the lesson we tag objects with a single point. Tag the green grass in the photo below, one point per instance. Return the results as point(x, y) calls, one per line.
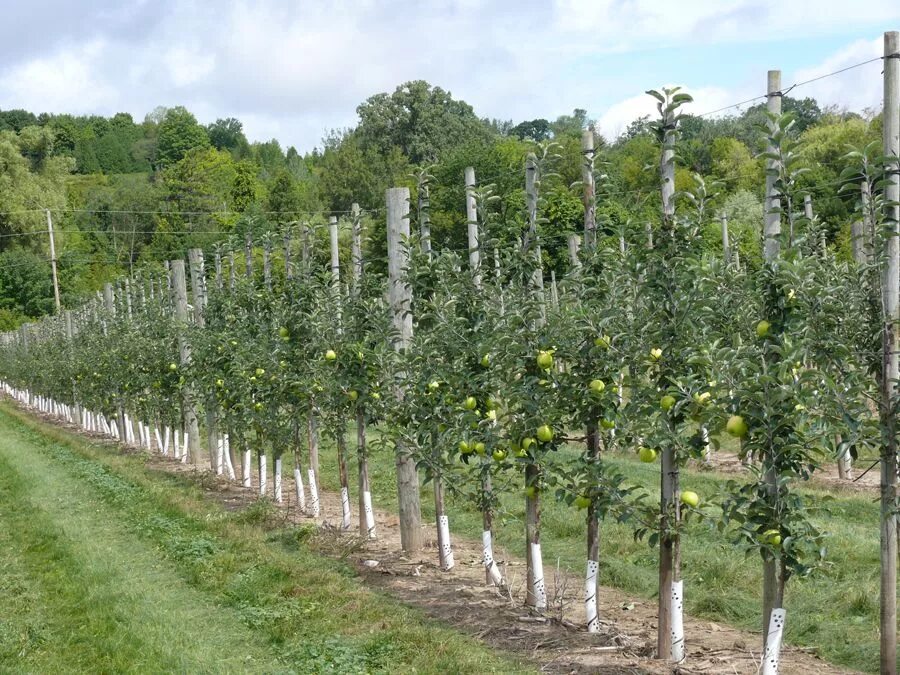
point(835, 611)
point(108, 566)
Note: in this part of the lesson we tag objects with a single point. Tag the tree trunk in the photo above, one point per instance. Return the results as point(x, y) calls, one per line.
point(345, 486)
point(536, 593)
point(592, 577)
point(366, 513)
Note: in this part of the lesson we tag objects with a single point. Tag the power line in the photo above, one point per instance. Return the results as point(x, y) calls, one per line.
point(793, 86)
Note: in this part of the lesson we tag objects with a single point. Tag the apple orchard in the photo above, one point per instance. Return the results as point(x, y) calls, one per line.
point(483, 378)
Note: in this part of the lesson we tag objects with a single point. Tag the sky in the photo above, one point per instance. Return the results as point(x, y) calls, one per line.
point(294, 69)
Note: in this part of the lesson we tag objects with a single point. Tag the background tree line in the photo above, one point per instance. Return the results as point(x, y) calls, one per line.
point(125, 193)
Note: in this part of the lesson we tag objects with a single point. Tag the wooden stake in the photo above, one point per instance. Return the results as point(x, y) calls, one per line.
point(267, 263)
point(890, 291)
point(356, 258)
point(669, 548)
point(726, 245)
point(53, 262)
point(198, 291)
point(574, 246)
point(424, 211)
point(772, 583)
point(772, 229)
point(400, 297)
point(472, 227)
point(179, 287)
point(531, 204)
point(588, 189)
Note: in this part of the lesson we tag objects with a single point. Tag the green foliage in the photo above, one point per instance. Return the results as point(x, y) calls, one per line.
point(422, 121)
point(179, 133)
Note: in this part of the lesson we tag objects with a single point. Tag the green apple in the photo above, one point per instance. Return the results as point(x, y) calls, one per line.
point(479, 447)
point(667, 402)
point(527, 442)
point(284, 333)
point(544, 433)
point(220, 383)
point(470, 403)
point(656, 353)
point(582, 502)
point(544, 360)
point(690, 498)
point(762, 328)
point(647, 455)
point(597, 386)
point(485, 361)
point(607, 424)
point(258, 406)
point(353, 394)
point(376, 396)
point(736, 426)
point(172, 367)
point(260, 372)
point(491, 415)
point(498, 455)
point(464, 447)
point(702, 398)
point(330, 355)
point(771, 537)
point(531, 492)
point(604, 341)
point(253, 378)
point(434, 385)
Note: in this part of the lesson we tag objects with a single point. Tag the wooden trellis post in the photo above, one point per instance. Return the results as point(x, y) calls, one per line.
point(400, 299)
point(891, 351)
point(179, 288)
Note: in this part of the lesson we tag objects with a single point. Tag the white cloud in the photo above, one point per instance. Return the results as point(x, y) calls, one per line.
point(857, 88)
point(616, 118)
point(293, 69)
point(68, 80)
point(188, 66)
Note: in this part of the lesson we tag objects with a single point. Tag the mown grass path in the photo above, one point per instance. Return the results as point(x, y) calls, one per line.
point(108, 566)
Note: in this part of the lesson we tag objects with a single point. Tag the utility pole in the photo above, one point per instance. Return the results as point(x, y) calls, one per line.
point(53, 262)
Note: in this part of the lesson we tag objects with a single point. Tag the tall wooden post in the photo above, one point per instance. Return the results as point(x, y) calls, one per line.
point(531, 204)
point(772, 228)
point(574, 243)
point(588, 189)
point(198, 291)
point(669, 554)
point(70, 335)
point(400, 298)
point(472, 227)
point(248, 255)
point(340, 440)
point(868, 221)
point(726, 244)
point(424, 211)
point(179, 289)
point(288, 265)
point(267, 263)
point(891, 346)
point(53, 261)
point(772, 588)
point(356, 259)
